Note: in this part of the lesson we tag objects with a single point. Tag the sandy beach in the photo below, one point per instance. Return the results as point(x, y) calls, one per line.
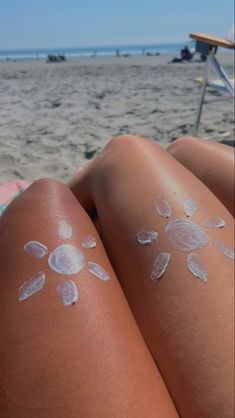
point(56, 117)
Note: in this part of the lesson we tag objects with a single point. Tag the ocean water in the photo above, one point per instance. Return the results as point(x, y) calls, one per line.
point(24, 54)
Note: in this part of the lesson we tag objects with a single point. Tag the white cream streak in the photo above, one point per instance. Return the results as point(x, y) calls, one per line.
point(146, 238)
point(65, 230)
point(215, 222)
point(160, 265)
point(68, 292)
point(36, 249)
point(190, 207)
point(89, 242)
point(163, 207)
point(32, 286)
point(227, 251)
point(196, 267)
point(98, 271)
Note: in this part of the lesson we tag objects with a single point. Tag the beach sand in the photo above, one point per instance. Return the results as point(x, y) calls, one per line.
point(56, 117)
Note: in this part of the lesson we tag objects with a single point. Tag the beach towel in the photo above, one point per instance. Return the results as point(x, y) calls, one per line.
point(9, 191)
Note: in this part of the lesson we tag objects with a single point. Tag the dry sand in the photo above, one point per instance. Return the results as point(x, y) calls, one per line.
point(55, 117)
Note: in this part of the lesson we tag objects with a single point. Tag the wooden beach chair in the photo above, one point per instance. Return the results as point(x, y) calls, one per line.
point(207, 45)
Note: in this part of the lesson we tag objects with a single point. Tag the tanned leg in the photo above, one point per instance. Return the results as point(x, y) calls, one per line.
point(184, 309)
point(69, 344)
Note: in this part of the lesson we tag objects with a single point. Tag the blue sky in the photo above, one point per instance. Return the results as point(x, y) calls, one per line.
point(68, 23)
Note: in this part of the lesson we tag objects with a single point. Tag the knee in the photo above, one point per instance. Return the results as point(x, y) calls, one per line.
point(125, 143)
point(120, 151)
point(46, 186)
point(181, 145)
point(121, 156)
point(49, 191)
point(124, 147)
point(40, 194)
point(115, 158)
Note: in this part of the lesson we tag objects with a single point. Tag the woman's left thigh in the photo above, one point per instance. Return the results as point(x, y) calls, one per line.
point(69, 344)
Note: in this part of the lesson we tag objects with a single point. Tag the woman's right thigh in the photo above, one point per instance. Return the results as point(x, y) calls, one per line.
point(69, 344)
point(168, 238)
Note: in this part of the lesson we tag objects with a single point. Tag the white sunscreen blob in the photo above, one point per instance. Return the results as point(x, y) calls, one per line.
point(98, 271)
point(196, 267)
point(160, 265)
point(227, 251)
point(146, 238)
point(215, 222)
point(34, 285)
point(36, 249)
point(65, 230)
point(190, 207)
point(68, 292)
point(66, 259)
point(163, 208)
point(89, 242)
point(184, 235)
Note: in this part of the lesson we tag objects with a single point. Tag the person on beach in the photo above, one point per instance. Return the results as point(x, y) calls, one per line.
point(186, 54)
point(117, 288)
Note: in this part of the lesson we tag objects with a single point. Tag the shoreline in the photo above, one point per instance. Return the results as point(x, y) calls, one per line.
point(102, 50)
point(225, 56)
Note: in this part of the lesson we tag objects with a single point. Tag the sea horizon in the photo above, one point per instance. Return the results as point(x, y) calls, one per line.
point(92, 51)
